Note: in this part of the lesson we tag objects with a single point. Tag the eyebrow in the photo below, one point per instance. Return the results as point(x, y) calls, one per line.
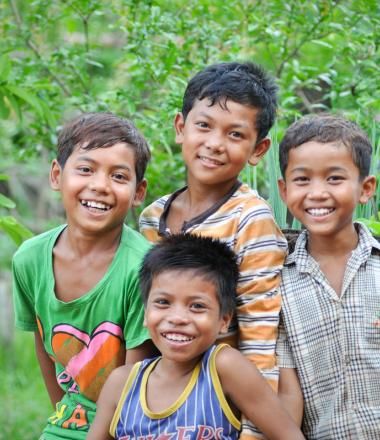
point(90, 160)
point(234, 125)
point(304, 169)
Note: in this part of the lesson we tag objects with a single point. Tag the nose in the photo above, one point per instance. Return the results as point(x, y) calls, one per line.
point(317, 191)
point(215, 142)
point(178, 316)
point(99, 183)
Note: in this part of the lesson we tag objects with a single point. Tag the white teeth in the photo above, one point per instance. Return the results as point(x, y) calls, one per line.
point(319, 212)
point(177, 337)
point(209, 160)
point(93, 204)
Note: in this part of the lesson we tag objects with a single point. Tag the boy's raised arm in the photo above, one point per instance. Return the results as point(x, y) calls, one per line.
point(246, 388)
point(48, 371)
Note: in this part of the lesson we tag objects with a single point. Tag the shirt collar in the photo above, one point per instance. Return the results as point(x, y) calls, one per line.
point(163, 229)
point(300, 257)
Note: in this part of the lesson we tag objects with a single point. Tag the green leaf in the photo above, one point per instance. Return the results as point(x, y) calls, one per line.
point(13, 101)
point(26, 96)
point(4, 109)
point(5, 67)
point(373, 226)
point(5, 202)
point(15, 230)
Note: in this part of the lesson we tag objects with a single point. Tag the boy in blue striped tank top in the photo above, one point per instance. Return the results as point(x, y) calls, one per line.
point(195, 389)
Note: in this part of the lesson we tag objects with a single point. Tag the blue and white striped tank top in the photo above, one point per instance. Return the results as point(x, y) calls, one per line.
point(201, 411)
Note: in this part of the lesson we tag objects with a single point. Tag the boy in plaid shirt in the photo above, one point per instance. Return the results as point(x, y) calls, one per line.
point(330, 318)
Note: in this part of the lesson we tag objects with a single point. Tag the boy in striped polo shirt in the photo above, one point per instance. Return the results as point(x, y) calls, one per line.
point(227, 111)
point(195, 389)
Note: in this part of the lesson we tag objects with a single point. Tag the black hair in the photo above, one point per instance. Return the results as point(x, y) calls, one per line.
point(245, 83)
point(204, 256)
point(326, 128)
point(102, 130)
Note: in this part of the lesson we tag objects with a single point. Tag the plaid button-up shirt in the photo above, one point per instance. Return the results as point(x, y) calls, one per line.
point(334, 341)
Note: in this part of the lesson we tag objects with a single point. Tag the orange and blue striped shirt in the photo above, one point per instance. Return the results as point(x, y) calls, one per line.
point(245, 222)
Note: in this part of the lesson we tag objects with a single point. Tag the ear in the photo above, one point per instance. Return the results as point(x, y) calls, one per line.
point(140, 193)
point(368, 189)
point(282, 189)
point(179, 125)
point(225, 322)
point(55, 175)
point(260, 149)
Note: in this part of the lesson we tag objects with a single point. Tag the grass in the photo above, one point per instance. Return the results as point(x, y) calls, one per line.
point(24, 402)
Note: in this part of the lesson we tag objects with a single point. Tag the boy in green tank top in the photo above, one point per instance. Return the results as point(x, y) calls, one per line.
point(76, 286)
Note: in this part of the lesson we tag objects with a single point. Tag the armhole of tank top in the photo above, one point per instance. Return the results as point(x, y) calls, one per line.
point(126, 388)
point(219, 390)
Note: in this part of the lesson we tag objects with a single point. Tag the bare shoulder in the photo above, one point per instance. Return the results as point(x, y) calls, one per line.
point(228, 360)
point(116, 380)
point(235, 371)
point(119, 375)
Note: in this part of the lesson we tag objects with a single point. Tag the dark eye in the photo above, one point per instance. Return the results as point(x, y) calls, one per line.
point(198, 307)
point(202, 124)
point(119, 177)
point(335, 179)
point(236, 134)
point(161, 302)
point(84, 169)
point(301, 180)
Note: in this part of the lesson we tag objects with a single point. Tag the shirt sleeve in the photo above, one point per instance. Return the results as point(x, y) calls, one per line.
point(23, 303)
point(283, 350)
point(150, 219)
point(261, 250)
point(134, 331)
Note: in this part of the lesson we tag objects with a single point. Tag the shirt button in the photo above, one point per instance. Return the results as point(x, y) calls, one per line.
point(347, 359)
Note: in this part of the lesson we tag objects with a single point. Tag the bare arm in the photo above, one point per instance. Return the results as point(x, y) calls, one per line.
point(107, 404)
point(48, 371)
point(144, 351)
point(290, 393)
point(246, 388)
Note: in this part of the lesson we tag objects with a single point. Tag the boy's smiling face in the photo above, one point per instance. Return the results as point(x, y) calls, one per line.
point(98, 187)
point(322, 187)
point(218, 141)
point(183, 315)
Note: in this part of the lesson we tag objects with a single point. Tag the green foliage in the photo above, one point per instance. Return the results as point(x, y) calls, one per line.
point(58, 58)
point(10, 225)
point(24, 403)
point(134, 58)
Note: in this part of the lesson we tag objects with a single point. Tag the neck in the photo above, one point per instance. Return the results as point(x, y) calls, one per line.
point(199, 194)
point(82, 243)
point(339, 245)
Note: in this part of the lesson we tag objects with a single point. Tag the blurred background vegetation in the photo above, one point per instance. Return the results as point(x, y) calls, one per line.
point(134, 58)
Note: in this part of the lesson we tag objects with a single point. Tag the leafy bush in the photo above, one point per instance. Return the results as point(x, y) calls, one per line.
point(134, 58)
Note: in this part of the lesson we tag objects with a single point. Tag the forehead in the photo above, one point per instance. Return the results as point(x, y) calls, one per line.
point(184, 280)
point(314, 153)
point(245, 114)
point(121, 150)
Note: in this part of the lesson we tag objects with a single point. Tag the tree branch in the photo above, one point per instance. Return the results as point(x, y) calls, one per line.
point(33, 47)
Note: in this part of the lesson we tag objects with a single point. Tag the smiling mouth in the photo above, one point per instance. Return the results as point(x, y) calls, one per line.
point(319, 212)
point(177, 337)
point(210, 161)
point(95, 205)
